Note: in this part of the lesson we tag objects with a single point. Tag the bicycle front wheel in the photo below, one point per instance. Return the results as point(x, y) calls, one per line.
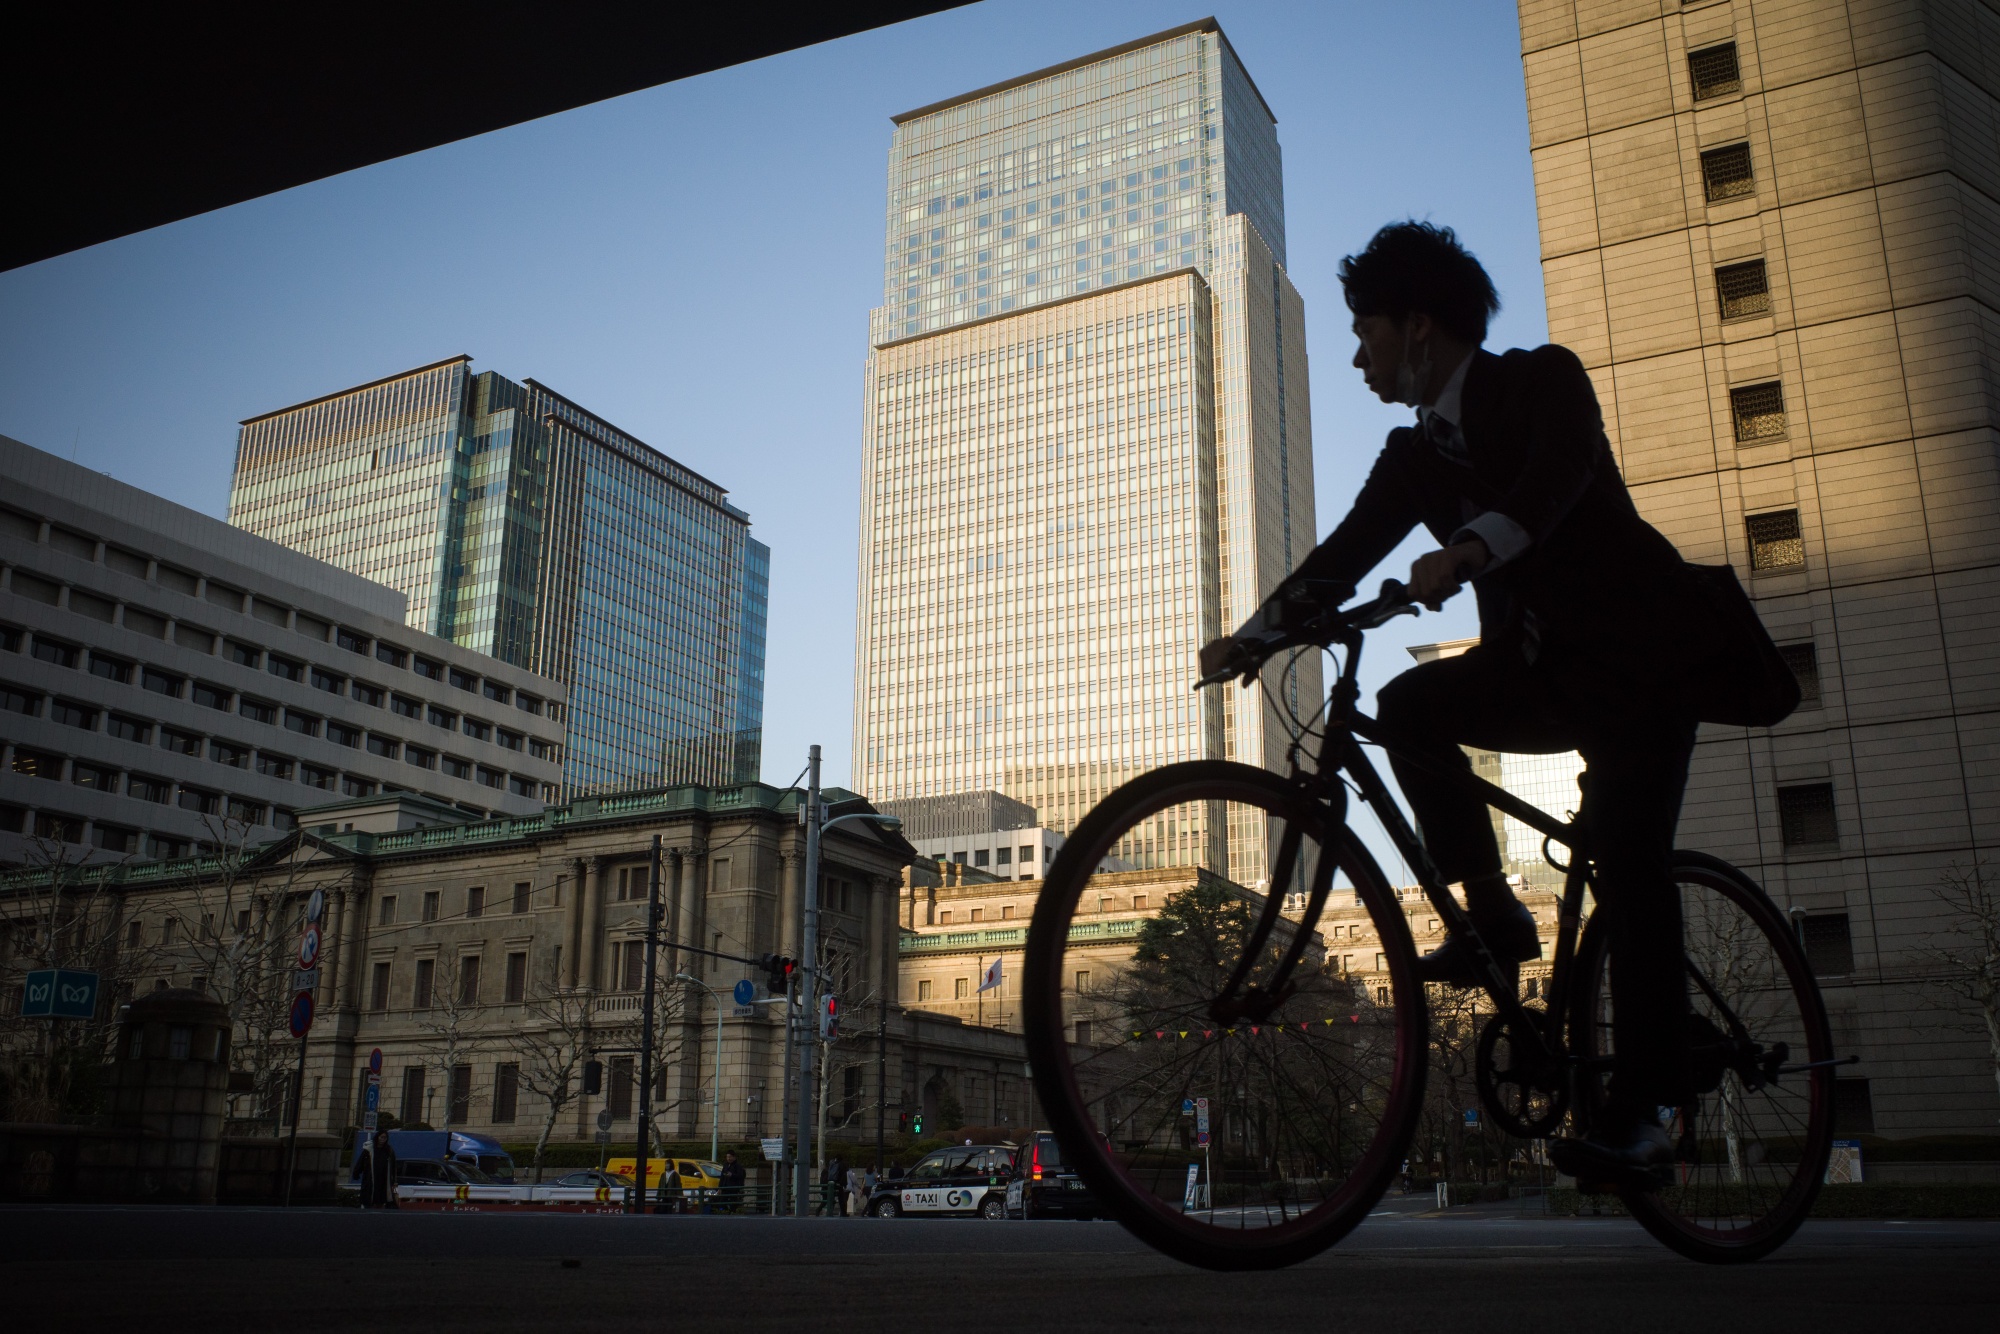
point(1232, 1111)
point(1754, 1152)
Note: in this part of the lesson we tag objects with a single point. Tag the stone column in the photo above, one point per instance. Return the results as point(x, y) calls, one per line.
point(592, 888)
point(572, 940)
point(677, 919)
point(791, 905)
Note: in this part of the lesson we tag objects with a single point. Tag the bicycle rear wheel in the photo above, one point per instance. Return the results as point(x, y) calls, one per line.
point(1754, 1154)
point(1136, 1035)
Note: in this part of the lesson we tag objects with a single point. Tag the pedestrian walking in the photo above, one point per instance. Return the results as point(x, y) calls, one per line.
point(668, 1198)
point(730, 1192)
point(830, 1185)
point(857, 1191)
point(378, 1174)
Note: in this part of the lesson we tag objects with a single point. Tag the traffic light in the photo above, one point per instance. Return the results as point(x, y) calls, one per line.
point(778, 971)
point(917, 1124)
point(903, 1122)
point(593, 1077)
point(829, 1018)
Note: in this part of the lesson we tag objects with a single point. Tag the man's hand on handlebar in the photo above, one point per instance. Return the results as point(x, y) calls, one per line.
point(1218, 654)
point(1438, 575)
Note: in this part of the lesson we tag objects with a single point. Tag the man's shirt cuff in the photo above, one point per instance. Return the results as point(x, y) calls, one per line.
point(1504, 538)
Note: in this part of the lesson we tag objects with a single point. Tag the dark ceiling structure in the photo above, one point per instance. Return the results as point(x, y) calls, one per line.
point(124, 117)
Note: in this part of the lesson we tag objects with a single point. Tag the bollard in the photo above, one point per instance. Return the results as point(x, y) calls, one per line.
point(1443, 1195)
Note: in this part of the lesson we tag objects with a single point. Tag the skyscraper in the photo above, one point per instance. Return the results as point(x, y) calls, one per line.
point(521, 525)
point(1087, 438)
point(1766, 231)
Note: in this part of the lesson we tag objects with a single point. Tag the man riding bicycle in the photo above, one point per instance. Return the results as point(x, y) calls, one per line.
point(1589, 622)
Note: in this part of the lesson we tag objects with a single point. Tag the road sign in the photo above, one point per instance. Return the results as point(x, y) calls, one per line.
point(604, 1119)
point(603, 1137)
point(302, 1014)
point(59, 993)
point(1191, 1200)
point(371, 1105)
point(305, 979)
point(375, 1062)
point(774, 1148)
point(1187, 1106)
point(316, 905)
point(1201, 1123)
point(309, 946)
point(1472, 1118)
point(746, 992)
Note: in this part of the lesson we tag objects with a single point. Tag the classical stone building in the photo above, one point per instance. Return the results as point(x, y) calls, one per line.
point(466, 949)
point(1769, 231)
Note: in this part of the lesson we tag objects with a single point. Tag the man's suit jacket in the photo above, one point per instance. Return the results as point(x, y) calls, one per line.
point(1598, 584)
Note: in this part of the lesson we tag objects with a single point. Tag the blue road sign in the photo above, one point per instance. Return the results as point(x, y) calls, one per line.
point(373, 1100)
point(746, 992)
point(1472, 1118)
point(302, 1013)
point(375, 1061)
point(59, 993)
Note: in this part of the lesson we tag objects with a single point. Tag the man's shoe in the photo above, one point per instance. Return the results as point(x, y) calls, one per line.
point(1630, 1153)
point(1510, 934)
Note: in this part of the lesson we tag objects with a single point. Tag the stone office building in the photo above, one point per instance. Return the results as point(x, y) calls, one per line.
point(168, 681)
point(1769, 230)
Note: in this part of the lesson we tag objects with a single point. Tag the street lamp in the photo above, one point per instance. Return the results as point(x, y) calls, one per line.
point(715, 1094)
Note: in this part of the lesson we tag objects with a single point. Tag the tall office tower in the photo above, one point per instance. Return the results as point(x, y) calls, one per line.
point(521, 525)
point(1768, 232)
point(1087, 441)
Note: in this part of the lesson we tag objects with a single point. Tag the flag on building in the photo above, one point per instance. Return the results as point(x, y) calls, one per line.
point(992, 978)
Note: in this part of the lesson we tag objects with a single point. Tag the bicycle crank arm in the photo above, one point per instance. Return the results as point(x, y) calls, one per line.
point(1819, 1065)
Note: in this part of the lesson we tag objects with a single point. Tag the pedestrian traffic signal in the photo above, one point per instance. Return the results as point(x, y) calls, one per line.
point(903, 1122)
point(917, 1124)
point(593, 1077)
point(778, 971)
point(829, 1018)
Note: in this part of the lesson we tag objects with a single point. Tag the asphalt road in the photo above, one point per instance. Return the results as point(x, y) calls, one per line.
point(218, 1270)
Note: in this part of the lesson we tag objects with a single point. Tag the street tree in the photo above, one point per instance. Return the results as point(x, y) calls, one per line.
point(1965, 966)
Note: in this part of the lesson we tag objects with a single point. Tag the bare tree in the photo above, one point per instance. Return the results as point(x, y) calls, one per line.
point(61, 912)
point(1967, 966)
point(452, 1019)
point(551, 1047)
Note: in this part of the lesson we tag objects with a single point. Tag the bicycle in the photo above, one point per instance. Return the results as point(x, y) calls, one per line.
point(1240, 1104)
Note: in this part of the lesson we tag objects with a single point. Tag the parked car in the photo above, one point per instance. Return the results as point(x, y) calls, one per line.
point(1042, 1185)
point(591, 1177)
point(969, 1180)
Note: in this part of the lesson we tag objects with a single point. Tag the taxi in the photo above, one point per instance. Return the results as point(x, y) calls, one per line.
point(967, 1181)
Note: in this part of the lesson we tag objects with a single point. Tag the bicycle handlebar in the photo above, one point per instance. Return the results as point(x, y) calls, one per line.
point(1320, 628)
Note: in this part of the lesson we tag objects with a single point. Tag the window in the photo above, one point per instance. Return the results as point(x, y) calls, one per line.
point(367, 694)
point(49, 650)
point(128, 729)
point(464, 680)
point(248, 812)
point(1803, 659)
point(961, 987)
point(245, 655)
point(628, 965)
point(427, 669)
point(58, 828)
point(477, 730)
point(444, 718)
point(492, 777)
point(162, 847)
point(161, 683)
point(210, 697)
point(1084, 1033)
point(180, 743)
point(351, 640)
point(305, 724)
point(236, 757)
point(413, 1094)
point(330, 682)
point(1759, 410)
point(312, 776)
point(523, 892)
point(511, 740)
point(343, 735)
point(1138, 903)
point(95, 777)
point(1828, 943)
point(274, 766)
point(1712, 71)
point(256, 710)
point(430, 905)
point(285, 667)
point(517, 978)
point(200, 802)
point(1776, 542)
point(378, 986)
point(356, 787)
point(541, 749)
point(475, 901)
point(506, 1093)
point(522, 787)
point(111, 669)
point(924, 990)
point(494, 691)
point(621, 1088)
point(1725, 173)
point(979, 857)
point(420, 991)
point(156, 790)
point(390, 654)
point(979, 914)
point(1806, 816)
point(73, 715)
point(193, 637)
point(457, 768)
point(20, 701)
point(468, 980)
point(381, 745)
point(1743, 289)
point(417, 755)
point(1853, 1108)
point(527, 703)
point(406, 707)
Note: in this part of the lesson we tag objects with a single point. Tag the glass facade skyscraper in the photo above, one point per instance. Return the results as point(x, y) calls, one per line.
point(1087, 439)
point(523, 526)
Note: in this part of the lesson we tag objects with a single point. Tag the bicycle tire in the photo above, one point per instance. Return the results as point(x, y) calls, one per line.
point(1113, 1178)
point(1688, 1216)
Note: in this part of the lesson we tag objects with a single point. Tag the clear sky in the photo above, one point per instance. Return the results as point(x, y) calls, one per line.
point(696, 264)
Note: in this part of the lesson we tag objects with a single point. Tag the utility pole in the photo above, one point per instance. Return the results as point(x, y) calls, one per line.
point(809, 971)
point(881, 1076)
point(785, 1103)
point(646, 1023)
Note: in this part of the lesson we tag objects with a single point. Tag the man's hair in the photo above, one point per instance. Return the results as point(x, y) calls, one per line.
point(1415, 268)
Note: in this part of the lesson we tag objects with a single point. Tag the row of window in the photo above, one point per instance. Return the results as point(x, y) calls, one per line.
point(449, 981)
point(431, 904)
point(123, 841)
point(139, 566)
